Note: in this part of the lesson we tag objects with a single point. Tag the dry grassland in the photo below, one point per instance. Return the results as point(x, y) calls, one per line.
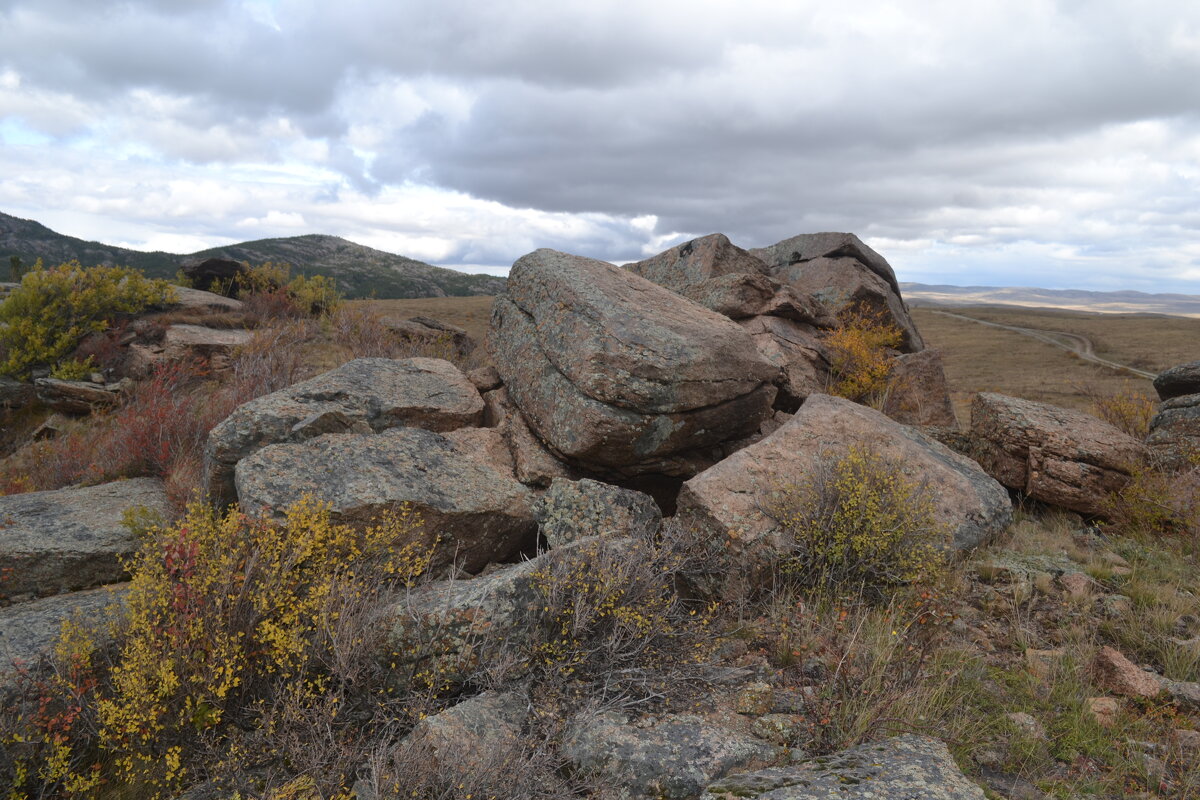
point(469, 313)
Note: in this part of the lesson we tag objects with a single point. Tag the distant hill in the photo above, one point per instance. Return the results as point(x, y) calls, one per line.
point(1123, 302)
point(359, 271)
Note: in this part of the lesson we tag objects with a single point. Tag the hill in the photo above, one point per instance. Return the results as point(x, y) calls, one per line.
point(360, 271)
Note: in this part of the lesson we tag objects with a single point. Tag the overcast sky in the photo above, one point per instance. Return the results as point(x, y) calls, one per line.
point(1015, 142)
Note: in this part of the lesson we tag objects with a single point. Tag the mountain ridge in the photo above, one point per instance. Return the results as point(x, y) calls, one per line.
point(360, 271)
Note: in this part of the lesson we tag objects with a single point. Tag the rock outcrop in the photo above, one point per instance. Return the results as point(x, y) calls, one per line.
point(675, 758)
point(28, 631)
point(797, 350)
point(75, 397)
point(1060, 456)
point(918, 393)
point(429, 332)
point(473, 507)
point(572, 510)
point(614, 372)
point(838, 269)
point(902, 767)
point(70, 539)
point(220, 274)
point(729, 502)
point(187, 342)
point(364, 395)
point(720, 276)
point(1178, 381)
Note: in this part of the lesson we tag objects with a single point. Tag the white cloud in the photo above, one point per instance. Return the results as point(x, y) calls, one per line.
point(1045, 140)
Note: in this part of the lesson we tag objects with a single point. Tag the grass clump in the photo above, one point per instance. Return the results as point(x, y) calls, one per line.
point(53, 309)
point(857, 522)
point(234, 635)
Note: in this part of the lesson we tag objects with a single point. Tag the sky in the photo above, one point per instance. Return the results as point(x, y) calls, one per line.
point(992, 142)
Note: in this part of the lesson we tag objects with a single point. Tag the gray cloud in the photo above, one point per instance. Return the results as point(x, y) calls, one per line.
point(1063, 135)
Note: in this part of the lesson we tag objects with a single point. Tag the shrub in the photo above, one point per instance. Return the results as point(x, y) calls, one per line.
point(53, 309)
point(611, 618)
point(73, 369)
point(1129, 410)
point(270, 290)
point(229, 637)
point(860, 348)
point(856, 522)
point(1158, 503)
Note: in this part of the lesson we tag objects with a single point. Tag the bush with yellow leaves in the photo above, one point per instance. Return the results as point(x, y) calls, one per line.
point(857, 523)
point(53, 309)
point(234, 629)
point(861, 356)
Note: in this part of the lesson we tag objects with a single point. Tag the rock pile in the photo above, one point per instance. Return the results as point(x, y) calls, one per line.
point(1175, 430)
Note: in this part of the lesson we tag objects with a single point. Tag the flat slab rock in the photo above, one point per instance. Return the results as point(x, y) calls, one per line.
point(181, 340)
point(904, 767)
point(364, 395)
point(673, 759)
point(69, 539)
point(29, 630)
point(728, 501)
point(1060, 456)
point(466, 495)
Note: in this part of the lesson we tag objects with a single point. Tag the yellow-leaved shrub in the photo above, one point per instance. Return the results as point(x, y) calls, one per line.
point(858, 523)
point(53, 309)
point(860, 350)
point(234, 628)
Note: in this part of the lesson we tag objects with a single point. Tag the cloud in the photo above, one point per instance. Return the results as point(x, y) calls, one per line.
point(1054, 141)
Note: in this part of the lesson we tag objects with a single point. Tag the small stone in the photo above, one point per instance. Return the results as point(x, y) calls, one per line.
point(1184, 693)
point(1116, 606)
point(1027, 724)
point(755, 699)
point(1118, 674)
point(781, 729)
point(1076, 585)
point(1104, 710)
point(1186, 740)
point(1042, 663)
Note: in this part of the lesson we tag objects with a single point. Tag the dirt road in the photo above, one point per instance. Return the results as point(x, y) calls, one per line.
point(1071, 342)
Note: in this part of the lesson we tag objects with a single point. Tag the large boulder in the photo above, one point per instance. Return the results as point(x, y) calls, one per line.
point(364, 395)
point(29, 631)
point(716, 274)
point(729, 502)
point(672, 759)
point(217, 274)
point(69, 539)
point(613, 371)
point(918, 393)
point(838, 269)
point(902, 767)
point(1178, 381)
point(472, 508)
point(1174, 437)
point(1060, 456)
